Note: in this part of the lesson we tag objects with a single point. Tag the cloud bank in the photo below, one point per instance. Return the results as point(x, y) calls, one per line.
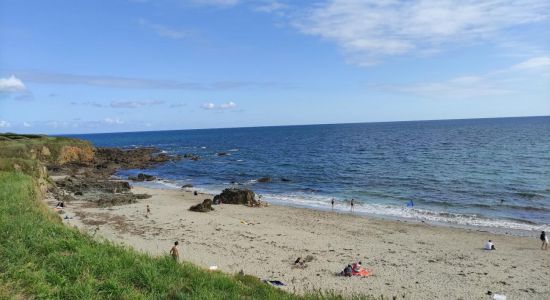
point(368, 31)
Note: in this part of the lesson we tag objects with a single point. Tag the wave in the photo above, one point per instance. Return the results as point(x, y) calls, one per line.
point(322, 202)
point(403, 212)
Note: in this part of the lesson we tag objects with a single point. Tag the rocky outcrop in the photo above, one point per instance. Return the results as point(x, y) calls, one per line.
point(187, 186)
point(84, 185)
point(142, 177)
point(236, 196)
point(139, 158)
point(191, 156)
point(73, 154)
point(205, 206)
point(264, 179)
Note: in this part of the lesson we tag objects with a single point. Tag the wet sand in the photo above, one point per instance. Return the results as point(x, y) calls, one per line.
point(417, 261)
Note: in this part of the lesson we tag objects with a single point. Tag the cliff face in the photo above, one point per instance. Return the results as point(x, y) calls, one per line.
point(31, 154)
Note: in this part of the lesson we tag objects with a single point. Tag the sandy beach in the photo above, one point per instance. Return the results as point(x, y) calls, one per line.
point(411, 261)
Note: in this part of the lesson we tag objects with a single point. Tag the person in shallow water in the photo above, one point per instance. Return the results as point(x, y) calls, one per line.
point(544, 239)
point(332, 203)
point(489, 245)
point(352, 203)
point(174, 251)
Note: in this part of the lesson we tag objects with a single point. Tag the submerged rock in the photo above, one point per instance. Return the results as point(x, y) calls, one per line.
point(142, 177)
point(187, 186)
point(264, 179)
point(205, 206)
point(236, 196)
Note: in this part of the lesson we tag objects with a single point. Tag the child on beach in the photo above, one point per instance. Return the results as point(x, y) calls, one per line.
point(544, 239)
point(489, 245)
point(174, 251)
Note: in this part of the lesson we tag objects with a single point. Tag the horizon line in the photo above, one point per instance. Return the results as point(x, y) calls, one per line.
point(296, 125)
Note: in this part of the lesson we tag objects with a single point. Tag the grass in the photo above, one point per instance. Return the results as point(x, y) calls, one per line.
point(41, 258)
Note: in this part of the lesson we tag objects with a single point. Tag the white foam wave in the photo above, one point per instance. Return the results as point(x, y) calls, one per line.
point(403, 212)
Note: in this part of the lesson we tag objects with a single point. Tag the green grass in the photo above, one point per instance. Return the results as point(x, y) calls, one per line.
point(41, 257)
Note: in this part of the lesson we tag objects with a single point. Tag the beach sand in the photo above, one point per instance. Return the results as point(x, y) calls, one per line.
point(410, 260)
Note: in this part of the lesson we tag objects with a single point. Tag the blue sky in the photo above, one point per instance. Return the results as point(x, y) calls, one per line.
point(133, 65)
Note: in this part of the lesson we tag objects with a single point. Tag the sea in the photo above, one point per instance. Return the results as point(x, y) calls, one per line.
point(492, 174)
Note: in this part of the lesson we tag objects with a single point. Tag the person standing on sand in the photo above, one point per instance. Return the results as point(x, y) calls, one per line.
point(332, 203)
point(174, 251)
point(544, 239)
point(148, 211)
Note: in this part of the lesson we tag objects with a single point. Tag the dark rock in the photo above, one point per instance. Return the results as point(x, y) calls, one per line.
point(264, 179)
point(191, 156)
point(142, 177)
point(78, 193)
point(237, 196)
point(285, 180)
point(205, 206)
point(75, 184)
point(187, 186)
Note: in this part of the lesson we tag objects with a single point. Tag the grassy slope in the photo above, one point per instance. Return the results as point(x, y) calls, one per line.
point(42, 258)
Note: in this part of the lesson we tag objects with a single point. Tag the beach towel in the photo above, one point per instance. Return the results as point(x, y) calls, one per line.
point(361, 273)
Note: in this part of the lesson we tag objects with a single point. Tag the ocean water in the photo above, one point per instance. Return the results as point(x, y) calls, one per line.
point(492, 173)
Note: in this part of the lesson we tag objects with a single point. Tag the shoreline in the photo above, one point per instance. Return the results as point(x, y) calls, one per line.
point(162, 184)
point(409, 258)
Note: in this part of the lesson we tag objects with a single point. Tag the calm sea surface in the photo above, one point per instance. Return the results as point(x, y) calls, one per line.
point(483, 172)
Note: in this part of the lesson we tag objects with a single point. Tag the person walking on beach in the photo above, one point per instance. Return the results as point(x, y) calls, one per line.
point(174, 251)
point(352, 204)
point(332, 203)
point(148, 211)
point(544, 239)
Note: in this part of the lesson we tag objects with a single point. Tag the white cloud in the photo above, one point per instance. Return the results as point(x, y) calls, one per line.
point(26, 124)
point(498, 82)
point(270, 7)
point(209, 105)
point(164, 31)
point(367, 31)
point(533, 63)
point(224, 106)
point(116, 121)
point(228, 105)
point(135, 104)
point(11, 84)
point(4, 124)
point(458, 87)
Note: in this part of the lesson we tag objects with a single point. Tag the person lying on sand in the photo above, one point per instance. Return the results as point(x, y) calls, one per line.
point(347, 271)
point(356, 267)
point(174, 251)
point(489, 245)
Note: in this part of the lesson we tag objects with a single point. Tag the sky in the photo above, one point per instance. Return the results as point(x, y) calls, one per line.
point(80, 66)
